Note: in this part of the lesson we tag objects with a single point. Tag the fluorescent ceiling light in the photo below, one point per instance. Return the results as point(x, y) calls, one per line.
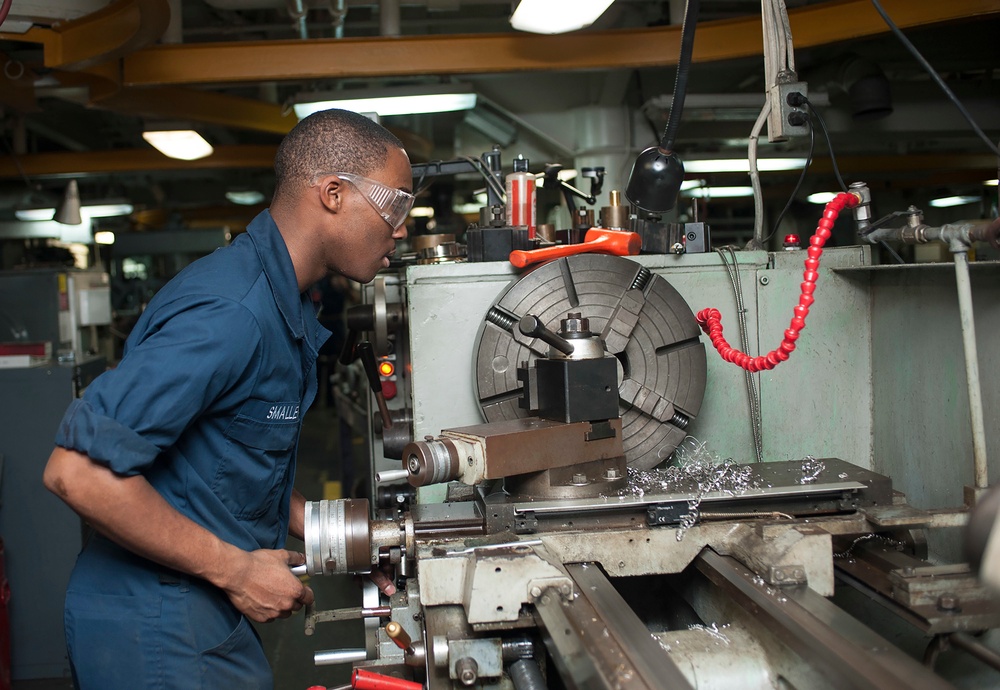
point(991, 183)
point(35, 214)
point(106, 210)
point(718, 192)
point(721, 165)
point(691, 184)
point(421, 212)
point(182, 144)
point(385, 102)
point(86, 212)
point(246, 197)
point(466, 209)
point(104, 237)
point(566, 175)
point(961, 200)
point(556, 16)
point(821, 197)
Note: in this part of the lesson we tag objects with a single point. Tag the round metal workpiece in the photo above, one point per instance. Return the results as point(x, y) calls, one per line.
point(662, 356)
point(337, 537)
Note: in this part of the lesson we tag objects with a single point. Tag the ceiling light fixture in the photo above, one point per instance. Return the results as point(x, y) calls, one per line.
point(821, 197)
point(566, 175)
point(437, 98)
point(718, 192)
point(991, 183)
point(35, 214)
point(959, 200)
point(104, 237)
point(735, 165)
point(107, 209)
point(556, 16)
point(245, 197)
point(86, 213)
point(182, 144)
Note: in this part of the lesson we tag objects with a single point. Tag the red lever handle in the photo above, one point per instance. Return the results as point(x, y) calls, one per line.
point(367, 680)
point(615, 242)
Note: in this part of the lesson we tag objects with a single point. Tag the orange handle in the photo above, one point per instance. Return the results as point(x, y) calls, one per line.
point(599, 240)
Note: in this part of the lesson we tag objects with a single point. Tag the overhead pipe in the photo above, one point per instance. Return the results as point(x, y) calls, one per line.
point(298, 12)
point(174, 33)
point(388, 18)
point(338, 13)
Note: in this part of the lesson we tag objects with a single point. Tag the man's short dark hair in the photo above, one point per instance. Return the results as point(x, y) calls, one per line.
point(330, 141)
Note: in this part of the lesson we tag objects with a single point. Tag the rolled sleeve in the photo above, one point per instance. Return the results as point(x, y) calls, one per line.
point(189, 358)
point(85, 430)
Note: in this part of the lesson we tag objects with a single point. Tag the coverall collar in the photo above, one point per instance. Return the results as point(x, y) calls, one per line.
point(278, 268)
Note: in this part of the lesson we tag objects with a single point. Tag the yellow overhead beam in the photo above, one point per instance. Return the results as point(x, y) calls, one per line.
point(134, 160)
point(202, 106)
point(222, 63)
point(117, 29)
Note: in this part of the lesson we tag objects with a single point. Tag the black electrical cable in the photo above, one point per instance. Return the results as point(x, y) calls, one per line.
point(16, 161)
point(487, 175)
point(829, 143)
point(937, 79)
point(802, 176)
point(683, 67)
point(836, 171)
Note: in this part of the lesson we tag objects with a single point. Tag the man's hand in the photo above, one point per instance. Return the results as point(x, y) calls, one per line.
point(263, 588)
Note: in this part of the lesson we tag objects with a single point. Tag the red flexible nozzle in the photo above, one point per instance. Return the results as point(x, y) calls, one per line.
point(710, 320)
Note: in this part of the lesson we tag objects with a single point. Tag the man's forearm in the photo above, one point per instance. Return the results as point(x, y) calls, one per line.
point(130, 512)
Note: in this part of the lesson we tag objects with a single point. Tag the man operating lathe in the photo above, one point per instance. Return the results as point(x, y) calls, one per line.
point(182, 458)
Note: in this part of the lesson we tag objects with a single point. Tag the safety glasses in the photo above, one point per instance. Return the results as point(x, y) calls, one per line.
point(392, 204)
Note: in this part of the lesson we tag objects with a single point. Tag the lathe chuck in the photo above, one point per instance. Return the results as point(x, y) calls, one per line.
point(645, 323)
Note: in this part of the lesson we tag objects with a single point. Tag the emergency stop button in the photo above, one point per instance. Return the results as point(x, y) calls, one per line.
point(389, 389)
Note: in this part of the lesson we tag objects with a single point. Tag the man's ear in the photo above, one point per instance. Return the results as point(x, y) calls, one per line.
point(330, 190)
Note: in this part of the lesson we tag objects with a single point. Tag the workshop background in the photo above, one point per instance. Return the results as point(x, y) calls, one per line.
point(84, 80)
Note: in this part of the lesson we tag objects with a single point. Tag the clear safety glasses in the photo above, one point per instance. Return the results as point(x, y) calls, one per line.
point(392, 204)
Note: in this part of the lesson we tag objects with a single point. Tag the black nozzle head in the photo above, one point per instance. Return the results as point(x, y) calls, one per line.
point(655, 180)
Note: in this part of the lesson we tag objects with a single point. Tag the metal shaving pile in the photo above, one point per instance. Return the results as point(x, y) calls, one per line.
point(811, 469)
point(696, 470)
point(848, 553)
point(713, 630)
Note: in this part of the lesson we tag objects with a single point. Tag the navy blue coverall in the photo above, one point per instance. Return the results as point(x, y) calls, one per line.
point(207, 404)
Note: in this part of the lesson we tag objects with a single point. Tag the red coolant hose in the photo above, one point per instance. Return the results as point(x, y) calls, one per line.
point(710, 320)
